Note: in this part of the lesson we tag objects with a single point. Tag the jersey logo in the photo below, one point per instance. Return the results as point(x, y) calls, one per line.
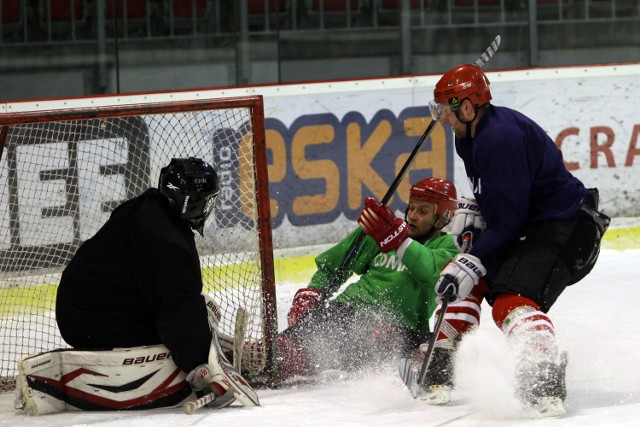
point(475, 184)
point(471, 265)
point(390, 261)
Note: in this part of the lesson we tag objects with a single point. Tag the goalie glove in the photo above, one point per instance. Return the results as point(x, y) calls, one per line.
point(305, 300)
point(203, 382)
point(458, 278)
point(382, 225)
point(219, 377)
point(467, 224)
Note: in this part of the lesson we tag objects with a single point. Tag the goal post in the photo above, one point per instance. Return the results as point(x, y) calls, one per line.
point(64, 170)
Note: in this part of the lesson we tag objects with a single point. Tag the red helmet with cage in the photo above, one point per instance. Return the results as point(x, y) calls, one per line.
point(463, 82)
point(440, 192)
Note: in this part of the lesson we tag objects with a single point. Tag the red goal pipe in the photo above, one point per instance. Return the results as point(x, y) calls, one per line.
point(122, 110)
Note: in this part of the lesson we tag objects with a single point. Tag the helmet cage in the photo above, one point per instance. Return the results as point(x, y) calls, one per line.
point(191, 187)
point(205, 207)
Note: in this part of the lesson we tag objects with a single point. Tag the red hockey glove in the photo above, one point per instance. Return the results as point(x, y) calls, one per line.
point(458, 277)
point(305, 300)
point(382, 225)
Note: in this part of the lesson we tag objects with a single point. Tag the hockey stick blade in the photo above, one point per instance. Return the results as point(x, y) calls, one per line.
point(192, 406)
point(489, 52)
point(412, 380)
point(409, 376)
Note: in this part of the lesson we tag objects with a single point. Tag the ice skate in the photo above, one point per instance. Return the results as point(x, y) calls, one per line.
point(439, 379)
point(436, 395)
point(542, 386)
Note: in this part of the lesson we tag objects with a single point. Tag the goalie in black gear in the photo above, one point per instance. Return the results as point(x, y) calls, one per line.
point(135, 287)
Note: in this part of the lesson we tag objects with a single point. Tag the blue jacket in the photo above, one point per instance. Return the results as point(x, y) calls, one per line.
point(518, 178)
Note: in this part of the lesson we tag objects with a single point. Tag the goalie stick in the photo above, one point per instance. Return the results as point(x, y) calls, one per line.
point(239, 333)
point(238, 338)
point(192, 406)
point(413, 380)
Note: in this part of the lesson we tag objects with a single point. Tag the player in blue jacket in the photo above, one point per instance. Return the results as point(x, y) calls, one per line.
point(532, 230)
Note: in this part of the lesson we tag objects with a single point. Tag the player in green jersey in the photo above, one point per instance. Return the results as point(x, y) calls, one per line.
point(384, 312)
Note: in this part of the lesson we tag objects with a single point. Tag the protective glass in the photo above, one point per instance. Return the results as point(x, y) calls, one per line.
point(439, 110)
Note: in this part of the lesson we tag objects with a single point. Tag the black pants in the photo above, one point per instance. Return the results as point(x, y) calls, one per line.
point(551, 256)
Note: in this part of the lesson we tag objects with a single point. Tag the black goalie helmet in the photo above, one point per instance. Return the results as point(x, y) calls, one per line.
point(191, 186)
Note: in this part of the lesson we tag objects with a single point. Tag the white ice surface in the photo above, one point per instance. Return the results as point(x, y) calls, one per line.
point(597, 322)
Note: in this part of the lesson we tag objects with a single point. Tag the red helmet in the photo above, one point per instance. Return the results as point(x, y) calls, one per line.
point(440, 192)
point(462, 82)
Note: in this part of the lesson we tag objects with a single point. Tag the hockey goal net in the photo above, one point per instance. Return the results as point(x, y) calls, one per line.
point(62, 172)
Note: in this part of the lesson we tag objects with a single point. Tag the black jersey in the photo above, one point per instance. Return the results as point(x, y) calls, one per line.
point(137, 282)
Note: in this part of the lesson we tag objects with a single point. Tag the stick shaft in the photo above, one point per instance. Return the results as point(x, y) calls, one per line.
point(238, 338)
point(432, 342)
point(489, 52)
point(353, 250)
point(192, 406)
point(337, 278)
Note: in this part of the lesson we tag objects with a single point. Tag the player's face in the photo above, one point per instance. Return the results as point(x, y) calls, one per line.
point(449, 117)
point(421, 216)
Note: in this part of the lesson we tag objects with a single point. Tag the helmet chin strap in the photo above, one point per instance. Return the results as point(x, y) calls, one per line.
point(444, 222)
point(468, 122)
point(476, 110)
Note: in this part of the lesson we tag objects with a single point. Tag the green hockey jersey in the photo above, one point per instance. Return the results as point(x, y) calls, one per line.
point(401, 292)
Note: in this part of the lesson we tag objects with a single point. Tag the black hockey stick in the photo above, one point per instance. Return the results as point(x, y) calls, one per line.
point(489, 52)
point(334, 283)
point(412, 379)
point(432, 341)
point(413, 382)
point(332, 286)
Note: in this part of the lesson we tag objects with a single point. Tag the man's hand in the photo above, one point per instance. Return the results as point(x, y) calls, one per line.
point(382, 225)
point(305, 300)
point(467, 224)
point(458, 278)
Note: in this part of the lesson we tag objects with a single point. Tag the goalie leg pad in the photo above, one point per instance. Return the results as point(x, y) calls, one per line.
point(102, 380)
point(38, 386)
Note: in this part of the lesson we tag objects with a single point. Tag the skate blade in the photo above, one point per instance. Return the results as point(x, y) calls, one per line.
point(437, 395)
point(550, 407)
